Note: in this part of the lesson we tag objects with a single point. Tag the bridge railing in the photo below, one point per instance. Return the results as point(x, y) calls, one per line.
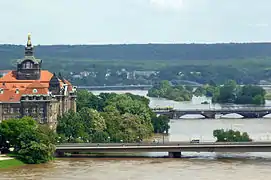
point(172, 143)
point(163, 109)
point(249, 108)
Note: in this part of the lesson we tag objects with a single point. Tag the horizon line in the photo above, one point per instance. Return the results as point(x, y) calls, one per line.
point(152, 43)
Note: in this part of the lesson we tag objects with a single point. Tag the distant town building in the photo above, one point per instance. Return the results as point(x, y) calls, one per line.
point(30, 91)
point(4, 72)
point(145, 73)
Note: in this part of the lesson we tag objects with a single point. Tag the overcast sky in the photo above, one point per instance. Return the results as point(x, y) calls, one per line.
point(134, 21)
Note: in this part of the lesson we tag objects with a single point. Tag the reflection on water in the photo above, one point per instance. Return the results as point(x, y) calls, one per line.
point(192, 166)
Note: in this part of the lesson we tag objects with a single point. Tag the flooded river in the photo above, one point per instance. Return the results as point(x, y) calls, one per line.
point(192, 166)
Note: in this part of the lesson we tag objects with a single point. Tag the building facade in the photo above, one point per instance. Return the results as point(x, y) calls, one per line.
point(31, 91)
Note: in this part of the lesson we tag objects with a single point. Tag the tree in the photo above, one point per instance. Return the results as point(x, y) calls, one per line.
point(82, 100)
point(227, 93)
point(4, 144)
point(80, 126)
point(113, 120)
point(160, 123)
point(92, 121)
point(258, 99)
point(87, 99)
point(125, 104)
point(231, 93)
point(189, 88)
point(139, 98)
point(177, 93)
point(230, 136)
point(32, 143)
point(100, 136)
point(118, 116)
point(36, 145)
point(251, 95)
point(200, 91)
point(10, 129)
point(128, 118)
point(71, 127)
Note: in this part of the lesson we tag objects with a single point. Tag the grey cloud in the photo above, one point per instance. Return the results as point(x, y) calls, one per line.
point(134, 21)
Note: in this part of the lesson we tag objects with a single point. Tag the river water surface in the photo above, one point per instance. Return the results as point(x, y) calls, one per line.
point(193, 166)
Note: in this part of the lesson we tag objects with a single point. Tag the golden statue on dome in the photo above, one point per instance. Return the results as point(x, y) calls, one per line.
point(29, 40)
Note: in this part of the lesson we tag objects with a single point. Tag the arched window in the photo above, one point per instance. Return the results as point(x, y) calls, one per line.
point(28, 65)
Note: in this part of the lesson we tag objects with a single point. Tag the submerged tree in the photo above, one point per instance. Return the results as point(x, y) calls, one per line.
point(231, 136)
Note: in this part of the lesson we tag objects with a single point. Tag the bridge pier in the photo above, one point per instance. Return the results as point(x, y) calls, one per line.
point(59, 154)
point(177, 115)
point(174, 154)
point(209, 114)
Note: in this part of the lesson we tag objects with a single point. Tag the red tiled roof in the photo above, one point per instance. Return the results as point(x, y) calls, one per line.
point(36, 88)
point(36, 84)
point(38, 91)
point(10, 96)
point(9, 84)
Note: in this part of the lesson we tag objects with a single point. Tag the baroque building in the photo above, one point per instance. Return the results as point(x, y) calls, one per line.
point(31, 91)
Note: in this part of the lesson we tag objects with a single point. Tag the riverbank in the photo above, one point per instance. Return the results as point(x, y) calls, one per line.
point(8, 162)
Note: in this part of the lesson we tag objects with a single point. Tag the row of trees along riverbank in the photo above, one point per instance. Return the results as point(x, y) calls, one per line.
point(229, 92)
point(165, 90)
point(102, 118)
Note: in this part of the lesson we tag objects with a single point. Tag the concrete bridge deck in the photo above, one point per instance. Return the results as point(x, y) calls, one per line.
point(173, 148)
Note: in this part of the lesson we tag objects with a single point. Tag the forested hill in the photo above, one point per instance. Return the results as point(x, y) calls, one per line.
point(244, 63)
point(144, 51)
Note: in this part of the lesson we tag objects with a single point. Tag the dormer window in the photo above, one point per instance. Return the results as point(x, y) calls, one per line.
point(27, 65)
point(74, 88)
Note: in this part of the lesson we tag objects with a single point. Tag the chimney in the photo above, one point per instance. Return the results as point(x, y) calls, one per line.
point(65, 89)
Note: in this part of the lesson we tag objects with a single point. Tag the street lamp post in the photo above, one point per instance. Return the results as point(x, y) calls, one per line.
point(164, 137)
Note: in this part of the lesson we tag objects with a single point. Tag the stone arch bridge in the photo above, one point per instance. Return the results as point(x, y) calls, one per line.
point(246, 112)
